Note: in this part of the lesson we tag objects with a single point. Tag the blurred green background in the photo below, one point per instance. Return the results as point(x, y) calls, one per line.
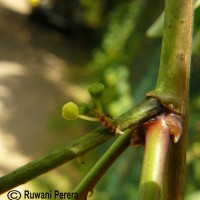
point(50, 51)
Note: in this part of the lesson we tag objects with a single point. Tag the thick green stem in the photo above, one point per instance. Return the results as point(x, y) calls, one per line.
point(180, 15)
point(173, 86)
point(99, 169)
point(174, 70)
point(157, 138)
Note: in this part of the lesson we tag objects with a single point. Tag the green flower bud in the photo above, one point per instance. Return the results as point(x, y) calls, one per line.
point(83, 109)
point(70, 111)
point(96, 90)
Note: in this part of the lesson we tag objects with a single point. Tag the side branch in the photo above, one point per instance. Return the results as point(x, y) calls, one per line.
point(53, 160)
point(144, 111)
point(102, 165)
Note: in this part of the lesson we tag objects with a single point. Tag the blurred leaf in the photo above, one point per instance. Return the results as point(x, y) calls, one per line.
point(156, 29)
point(196, 43)
point(193, 196)
point(92, 12)
point(197, 4)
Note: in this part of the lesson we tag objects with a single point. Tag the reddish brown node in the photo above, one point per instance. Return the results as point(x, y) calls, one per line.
point(149, 123)
point(173, 121)
point(138, 137)
point(106, 122)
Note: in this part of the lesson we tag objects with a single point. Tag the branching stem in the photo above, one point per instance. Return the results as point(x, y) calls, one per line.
point(99, 169)
point(144, 111)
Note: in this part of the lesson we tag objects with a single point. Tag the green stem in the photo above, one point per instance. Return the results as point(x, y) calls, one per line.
point(88, 118)
point(173, 86)
point(180, 15)
point(140, 113)
point(99, 169)
point(56, 158)
point(145, 110)
point(157, 138)
point(97, 103)
point(173, 79)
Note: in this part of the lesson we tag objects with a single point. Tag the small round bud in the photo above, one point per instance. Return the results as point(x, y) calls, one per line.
point(83, 109)
point(96, 90)
point(70, 111)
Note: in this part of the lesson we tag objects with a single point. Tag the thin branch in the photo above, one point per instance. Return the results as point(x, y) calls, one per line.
point(56, 158)
point(99, 169)
point(144, 111)
point(141, 113)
